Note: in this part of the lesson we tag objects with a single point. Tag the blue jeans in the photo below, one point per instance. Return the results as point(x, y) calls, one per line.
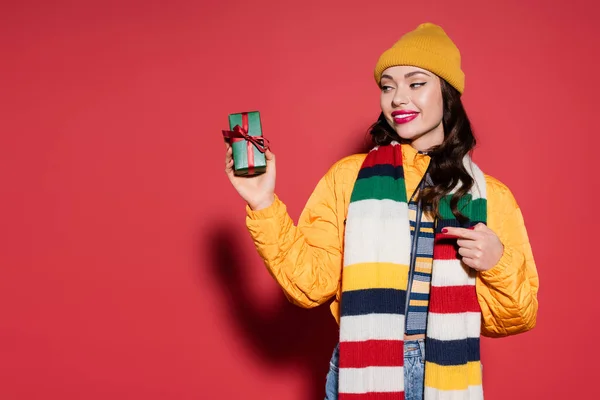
point(414, 371)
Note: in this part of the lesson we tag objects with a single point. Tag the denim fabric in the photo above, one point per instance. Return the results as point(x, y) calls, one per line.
point(331, 384)
point(414, 371)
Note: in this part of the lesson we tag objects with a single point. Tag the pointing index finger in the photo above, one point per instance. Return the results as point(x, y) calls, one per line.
point(460, 233)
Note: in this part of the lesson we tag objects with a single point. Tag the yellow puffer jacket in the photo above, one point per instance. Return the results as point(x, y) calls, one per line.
point(306, 260)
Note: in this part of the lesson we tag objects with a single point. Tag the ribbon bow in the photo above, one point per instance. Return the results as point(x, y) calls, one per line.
point(240, 133)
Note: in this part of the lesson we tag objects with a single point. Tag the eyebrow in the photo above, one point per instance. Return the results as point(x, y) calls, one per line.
point(408, 75)
point(415, 73)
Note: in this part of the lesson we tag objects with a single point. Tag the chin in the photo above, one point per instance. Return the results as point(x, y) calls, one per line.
point(407, 134)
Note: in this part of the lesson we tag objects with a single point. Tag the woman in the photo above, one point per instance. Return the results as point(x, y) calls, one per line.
point(422, 251)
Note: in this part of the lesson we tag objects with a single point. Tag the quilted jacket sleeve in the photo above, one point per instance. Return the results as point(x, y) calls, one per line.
point(507, 293)
point(305, 259)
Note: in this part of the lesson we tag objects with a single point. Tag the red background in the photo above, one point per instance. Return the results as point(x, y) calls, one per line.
point(125, 268)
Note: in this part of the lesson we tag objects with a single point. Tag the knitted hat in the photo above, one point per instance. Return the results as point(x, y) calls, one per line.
point(426, 47)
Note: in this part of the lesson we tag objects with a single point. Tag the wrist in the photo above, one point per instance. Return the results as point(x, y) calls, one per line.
point(262, 204)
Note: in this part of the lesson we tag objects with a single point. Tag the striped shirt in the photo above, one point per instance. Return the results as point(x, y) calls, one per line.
point(416, 319)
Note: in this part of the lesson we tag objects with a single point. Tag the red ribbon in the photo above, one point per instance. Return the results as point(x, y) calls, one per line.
point(240, 133)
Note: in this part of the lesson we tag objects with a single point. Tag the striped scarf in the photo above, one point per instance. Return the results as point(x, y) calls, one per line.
point(374, 284)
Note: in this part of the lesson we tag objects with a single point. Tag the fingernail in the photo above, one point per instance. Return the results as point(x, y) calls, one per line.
point(444, 230)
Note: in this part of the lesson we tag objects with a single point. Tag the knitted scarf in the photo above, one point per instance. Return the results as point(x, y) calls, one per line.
point(374, 285)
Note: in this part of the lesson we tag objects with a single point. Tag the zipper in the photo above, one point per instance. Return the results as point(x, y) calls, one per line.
point(413, 253)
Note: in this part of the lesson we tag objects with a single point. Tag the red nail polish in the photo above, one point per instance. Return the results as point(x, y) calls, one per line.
point(444, 230)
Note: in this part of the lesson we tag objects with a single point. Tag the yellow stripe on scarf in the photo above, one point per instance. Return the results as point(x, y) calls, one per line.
point(453, 377)
point(375, 276)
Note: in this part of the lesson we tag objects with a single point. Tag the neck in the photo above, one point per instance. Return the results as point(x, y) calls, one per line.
point(430, 139)
point(424, 146)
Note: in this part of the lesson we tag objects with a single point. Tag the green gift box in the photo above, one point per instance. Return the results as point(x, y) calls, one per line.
point(248, 145)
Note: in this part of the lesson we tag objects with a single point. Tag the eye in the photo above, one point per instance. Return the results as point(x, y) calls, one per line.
point(386, 88)
point(417, 85)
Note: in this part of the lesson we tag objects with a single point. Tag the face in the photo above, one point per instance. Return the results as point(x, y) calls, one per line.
point(411, 100)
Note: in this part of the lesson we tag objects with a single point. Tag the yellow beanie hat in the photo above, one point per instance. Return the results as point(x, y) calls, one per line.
point(426, 47)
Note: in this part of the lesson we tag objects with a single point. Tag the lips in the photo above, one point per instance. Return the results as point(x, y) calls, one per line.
point(404, 116)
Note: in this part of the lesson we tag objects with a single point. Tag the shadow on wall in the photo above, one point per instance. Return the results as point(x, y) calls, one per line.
point(287, 335)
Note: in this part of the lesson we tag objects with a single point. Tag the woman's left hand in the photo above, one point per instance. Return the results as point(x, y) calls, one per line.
point(480, 247)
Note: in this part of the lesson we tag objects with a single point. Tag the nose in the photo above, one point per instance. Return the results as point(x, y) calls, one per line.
point(400, 98)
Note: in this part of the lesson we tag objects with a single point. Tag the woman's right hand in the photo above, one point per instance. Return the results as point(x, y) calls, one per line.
point(258, 191)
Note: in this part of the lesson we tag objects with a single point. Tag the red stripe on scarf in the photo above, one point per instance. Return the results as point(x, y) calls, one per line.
point(384, 155)
point(453, 299)
point(445, 249)
point(372, 353)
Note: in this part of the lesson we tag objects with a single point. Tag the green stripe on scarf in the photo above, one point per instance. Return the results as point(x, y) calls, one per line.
point(471, 209)
point(379, 188)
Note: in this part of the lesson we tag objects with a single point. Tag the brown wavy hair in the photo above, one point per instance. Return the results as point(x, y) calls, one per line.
point(446, 167)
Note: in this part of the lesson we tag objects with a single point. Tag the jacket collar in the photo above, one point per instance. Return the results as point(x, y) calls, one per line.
point(414, 158)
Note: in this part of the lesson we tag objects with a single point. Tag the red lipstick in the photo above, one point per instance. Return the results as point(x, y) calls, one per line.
point(404, 116)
